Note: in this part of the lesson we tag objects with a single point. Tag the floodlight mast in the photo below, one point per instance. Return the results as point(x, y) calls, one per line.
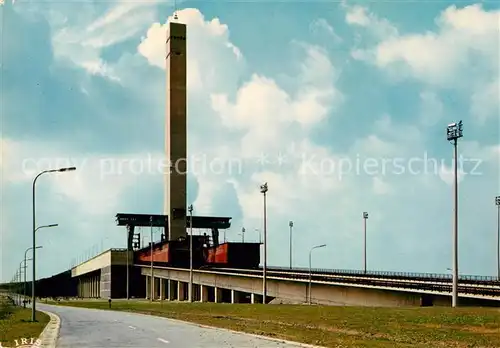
point(454, 132)
point(263, 189)
point(190, 209)
point(365, 217)
point(497, 202)
point(290, 224)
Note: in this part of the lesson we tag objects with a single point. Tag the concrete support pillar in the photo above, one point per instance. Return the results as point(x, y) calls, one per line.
point(171, 290)
point(148, 290)
point(157, 288)
point(203, 293)
point(235, 296)
point(155, 293)
point(181, 295)
point(218, 295)
point(162, 291)
point(252, 298)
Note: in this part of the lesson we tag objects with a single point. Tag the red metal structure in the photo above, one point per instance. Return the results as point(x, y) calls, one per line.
point(207, 252)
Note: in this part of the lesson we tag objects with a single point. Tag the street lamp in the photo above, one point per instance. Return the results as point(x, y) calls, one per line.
point(33, 299)
point(25, 254)
point(263, 190)
point(454, 131)
point(22, 269)
point(152, 283)
point(260, 234)
point(190, 209)
point(290, 224)
point(365, 217)
point(497, 202)
point(310, 268)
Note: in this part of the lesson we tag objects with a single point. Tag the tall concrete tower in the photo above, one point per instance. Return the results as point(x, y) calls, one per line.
point(176, 131)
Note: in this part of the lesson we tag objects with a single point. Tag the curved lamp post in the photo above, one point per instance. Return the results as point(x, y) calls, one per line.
point(33, 300)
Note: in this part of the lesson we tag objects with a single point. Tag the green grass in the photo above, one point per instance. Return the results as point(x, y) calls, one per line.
point(15, 323)
point(335, 326)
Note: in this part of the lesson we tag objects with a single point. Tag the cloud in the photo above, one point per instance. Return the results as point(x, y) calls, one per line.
point(321, 25)
point(82, 44)
point(208, 38)
point(461, 53)
point(432, 109)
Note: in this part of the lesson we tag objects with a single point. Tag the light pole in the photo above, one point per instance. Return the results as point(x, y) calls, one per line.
point(263, 190)
point(497, 202)
point(454, 131)
point(260, 235)
point(310, 268)
point(152, 284)
point(365, 217)
point(243, 234)
point(26, 252)
point(290, 224)
point(23, 270)
point(33, 299)
point(190, 209)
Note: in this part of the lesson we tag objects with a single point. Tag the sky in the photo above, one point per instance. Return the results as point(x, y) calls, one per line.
point(341, 107)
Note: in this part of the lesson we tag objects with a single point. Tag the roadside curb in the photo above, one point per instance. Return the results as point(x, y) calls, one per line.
point(297, 344)
point(50, 334)
point(279, 340)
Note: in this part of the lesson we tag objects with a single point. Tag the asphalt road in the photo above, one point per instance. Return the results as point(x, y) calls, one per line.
point(91, 328)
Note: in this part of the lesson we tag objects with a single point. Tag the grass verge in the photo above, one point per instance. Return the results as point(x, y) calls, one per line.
point(15, 323)
point(334, 326)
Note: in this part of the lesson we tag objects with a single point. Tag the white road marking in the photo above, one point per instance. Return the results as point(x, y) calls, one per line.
point(162, 340)
point(133, 328)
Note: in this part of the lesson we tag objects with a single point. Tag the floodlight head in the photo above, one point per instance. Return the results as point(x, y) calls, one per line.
point(243, 229)
point(53, 225)
point(322, 246)
point(365, 215)
point(263, 188)
point(454, 131)
point(290, 223)
point(190, 208)
point(497, 200)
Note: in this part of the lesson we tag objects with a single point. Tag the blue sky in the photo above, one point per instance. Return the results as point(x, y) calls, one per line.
point(335, 105)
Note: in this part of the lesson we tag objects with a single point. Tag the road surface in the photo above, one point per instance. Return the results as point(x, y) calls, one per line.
point(91, 328)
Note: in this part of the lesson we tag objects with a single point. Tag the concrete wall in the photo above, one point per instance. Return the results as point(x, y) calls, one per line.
point(106, 282)
point(292, 291)
point(109, 257)
point(93, 264)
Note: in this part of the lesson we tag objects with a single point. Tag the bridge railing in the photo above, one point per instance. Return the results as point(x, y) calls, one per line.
point(412, 275)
